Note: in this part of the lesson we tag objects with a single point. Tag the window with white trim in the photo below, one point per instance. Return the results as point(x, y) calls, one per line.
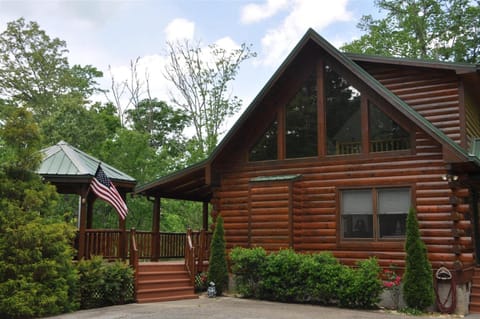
point(376, 213)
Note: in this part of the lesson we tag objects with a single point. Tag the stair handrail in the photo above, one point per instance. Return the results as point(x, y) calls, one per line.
point(190, 264)
point(134, 259)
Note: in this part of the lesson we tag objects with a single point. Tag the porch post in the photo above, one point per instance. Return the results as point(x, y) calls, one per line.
point(82, 226)
point(205, 216)
point(156, 229)
point(123, 244)
point(90, 201)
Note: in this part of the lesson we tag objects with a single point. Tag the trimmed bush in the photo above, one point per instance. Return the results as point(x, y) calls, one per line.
point(281, 280)
point(306, 278)
point(217, 266)
point(418, 290)
point(104, 284)
point(247, 265)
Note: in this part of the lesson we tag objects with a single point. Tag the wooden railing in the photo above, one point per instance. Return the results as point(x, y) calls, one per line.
point(102, 242)
point(190, 263)
point(384, 145)
point(149, 246)
point(134, 258)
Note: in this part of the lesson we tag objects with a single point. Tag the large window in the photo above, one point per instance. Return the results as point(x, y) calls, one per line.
point(266, 147)
point(343, 116)
point(374, 213)
point(301, 121)
point(385, 134)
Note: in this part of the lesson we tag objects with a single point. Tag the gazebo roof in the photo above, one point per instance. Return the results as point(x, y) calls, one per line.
point(64, 164)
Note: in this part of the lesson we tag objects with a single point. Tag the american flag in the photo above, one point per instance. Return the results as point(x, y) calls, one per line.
point(104, 189)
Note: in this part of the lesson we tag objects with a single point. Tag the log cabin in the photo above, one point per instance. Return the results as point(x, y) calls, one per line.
point(336, 148)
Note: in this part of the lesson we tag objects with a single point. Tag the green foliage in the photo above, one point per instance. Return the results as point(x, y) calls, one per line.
point(313, 278)
point(217, 266)
point(104, 284)
point(430, 29)
point(35, 73)
point(37, 277)
point(418, 290)
point(247, 265)
point(279, 282)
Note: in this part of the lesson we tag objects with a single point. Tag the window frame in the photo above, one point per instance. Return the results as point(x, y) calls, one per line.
point(375, 214)
point(367, 97)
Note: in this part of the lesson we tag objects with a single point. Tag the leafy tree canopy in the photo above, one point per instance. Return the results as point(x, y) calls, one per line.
point(447, 30)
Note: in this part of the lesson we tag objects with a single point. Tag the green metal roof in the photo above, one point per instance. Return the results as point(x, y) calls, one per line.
point(63, 159)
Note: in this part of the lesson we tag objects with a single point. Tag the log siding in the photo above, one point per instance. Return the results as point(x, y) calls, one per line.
point(258, 214)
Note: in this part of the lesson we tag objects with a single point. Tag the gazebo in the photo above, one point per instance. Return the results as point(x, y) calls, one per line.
point(71, 171)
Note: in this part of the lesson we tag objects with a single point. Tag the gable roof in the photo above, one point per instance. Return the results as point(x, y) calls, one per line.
point(65, 161)
point(346, 60)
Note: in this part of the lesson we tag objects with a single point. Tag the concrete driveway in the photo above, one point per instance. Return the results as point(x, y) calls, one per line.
point(234, 308)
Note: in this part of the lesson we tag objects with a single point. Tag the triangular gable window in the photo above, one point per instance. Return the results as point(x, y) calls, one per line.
point(266, 147)
point(385, 134)
point(301, 121)
point(343, 115)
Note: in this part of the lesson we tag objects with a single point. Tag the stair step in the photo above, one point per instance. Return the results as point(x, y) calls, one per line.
point(171, 298)
point(164, 292)
point(474, 306)
point(163, 281)
point(162, 275)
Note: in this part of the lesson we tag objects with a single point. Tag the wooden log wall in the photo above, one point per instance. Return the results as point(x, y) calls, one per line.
point(472, 118)
point(432, 93)
point(256, 214)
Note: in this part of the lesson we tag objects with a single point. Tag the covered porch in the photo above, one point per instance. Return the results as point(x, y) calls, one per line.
point(71, 171)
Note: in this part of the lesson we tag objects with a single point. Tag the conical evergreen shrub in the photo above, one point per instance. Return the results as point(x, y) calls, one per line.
point(418, 288)
point(217, 267)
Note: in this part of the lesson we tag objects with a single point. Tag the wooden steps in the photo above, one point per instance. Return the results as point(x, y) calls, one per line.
point(163, 281)
point(475, 292)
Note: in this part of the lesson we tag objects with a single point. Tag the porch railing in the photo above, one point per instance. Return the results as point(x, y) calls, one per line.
point(149, 245)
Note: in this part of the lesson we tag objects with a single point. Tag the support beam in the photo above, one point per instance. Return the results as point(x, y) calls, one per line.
point(205, 216)
point(82, 225)
point(156, 229)
point(123, 244)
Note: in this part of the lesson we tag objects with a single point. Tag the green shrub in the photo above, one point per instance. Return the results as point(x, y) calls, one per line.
point(418, 289)
point(322, 284)
point(217, 266)
point(104, 284)
point(247, 266)
point(313, 278)
point(280, 278)
point(37, 277)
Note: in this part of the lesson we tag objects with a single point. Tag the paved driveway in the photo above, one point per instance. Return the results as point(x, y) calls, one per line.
point(234, 308)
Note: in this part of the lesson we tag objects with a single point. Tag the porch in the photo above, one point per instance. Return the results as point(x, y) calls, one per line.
point(165, 264)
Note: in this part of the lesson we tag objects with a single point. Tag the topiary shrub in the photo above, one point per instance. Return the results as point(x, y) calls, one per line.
point(217, 266)
point(281, 280)
point(104, 284)
point(418, 290)
point(247, 268)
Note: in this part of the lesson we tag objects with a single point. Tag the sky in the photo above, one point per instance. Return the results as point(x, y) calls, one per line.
point(109, 34)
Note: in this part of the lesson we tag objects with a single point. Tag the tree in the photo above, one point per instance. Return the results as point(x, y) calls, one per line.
point(445, 30)
point(160, 121)
point(36, 271)
point(201, 78)
point(217, 265)
point(35, 73)
point(418, 289)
